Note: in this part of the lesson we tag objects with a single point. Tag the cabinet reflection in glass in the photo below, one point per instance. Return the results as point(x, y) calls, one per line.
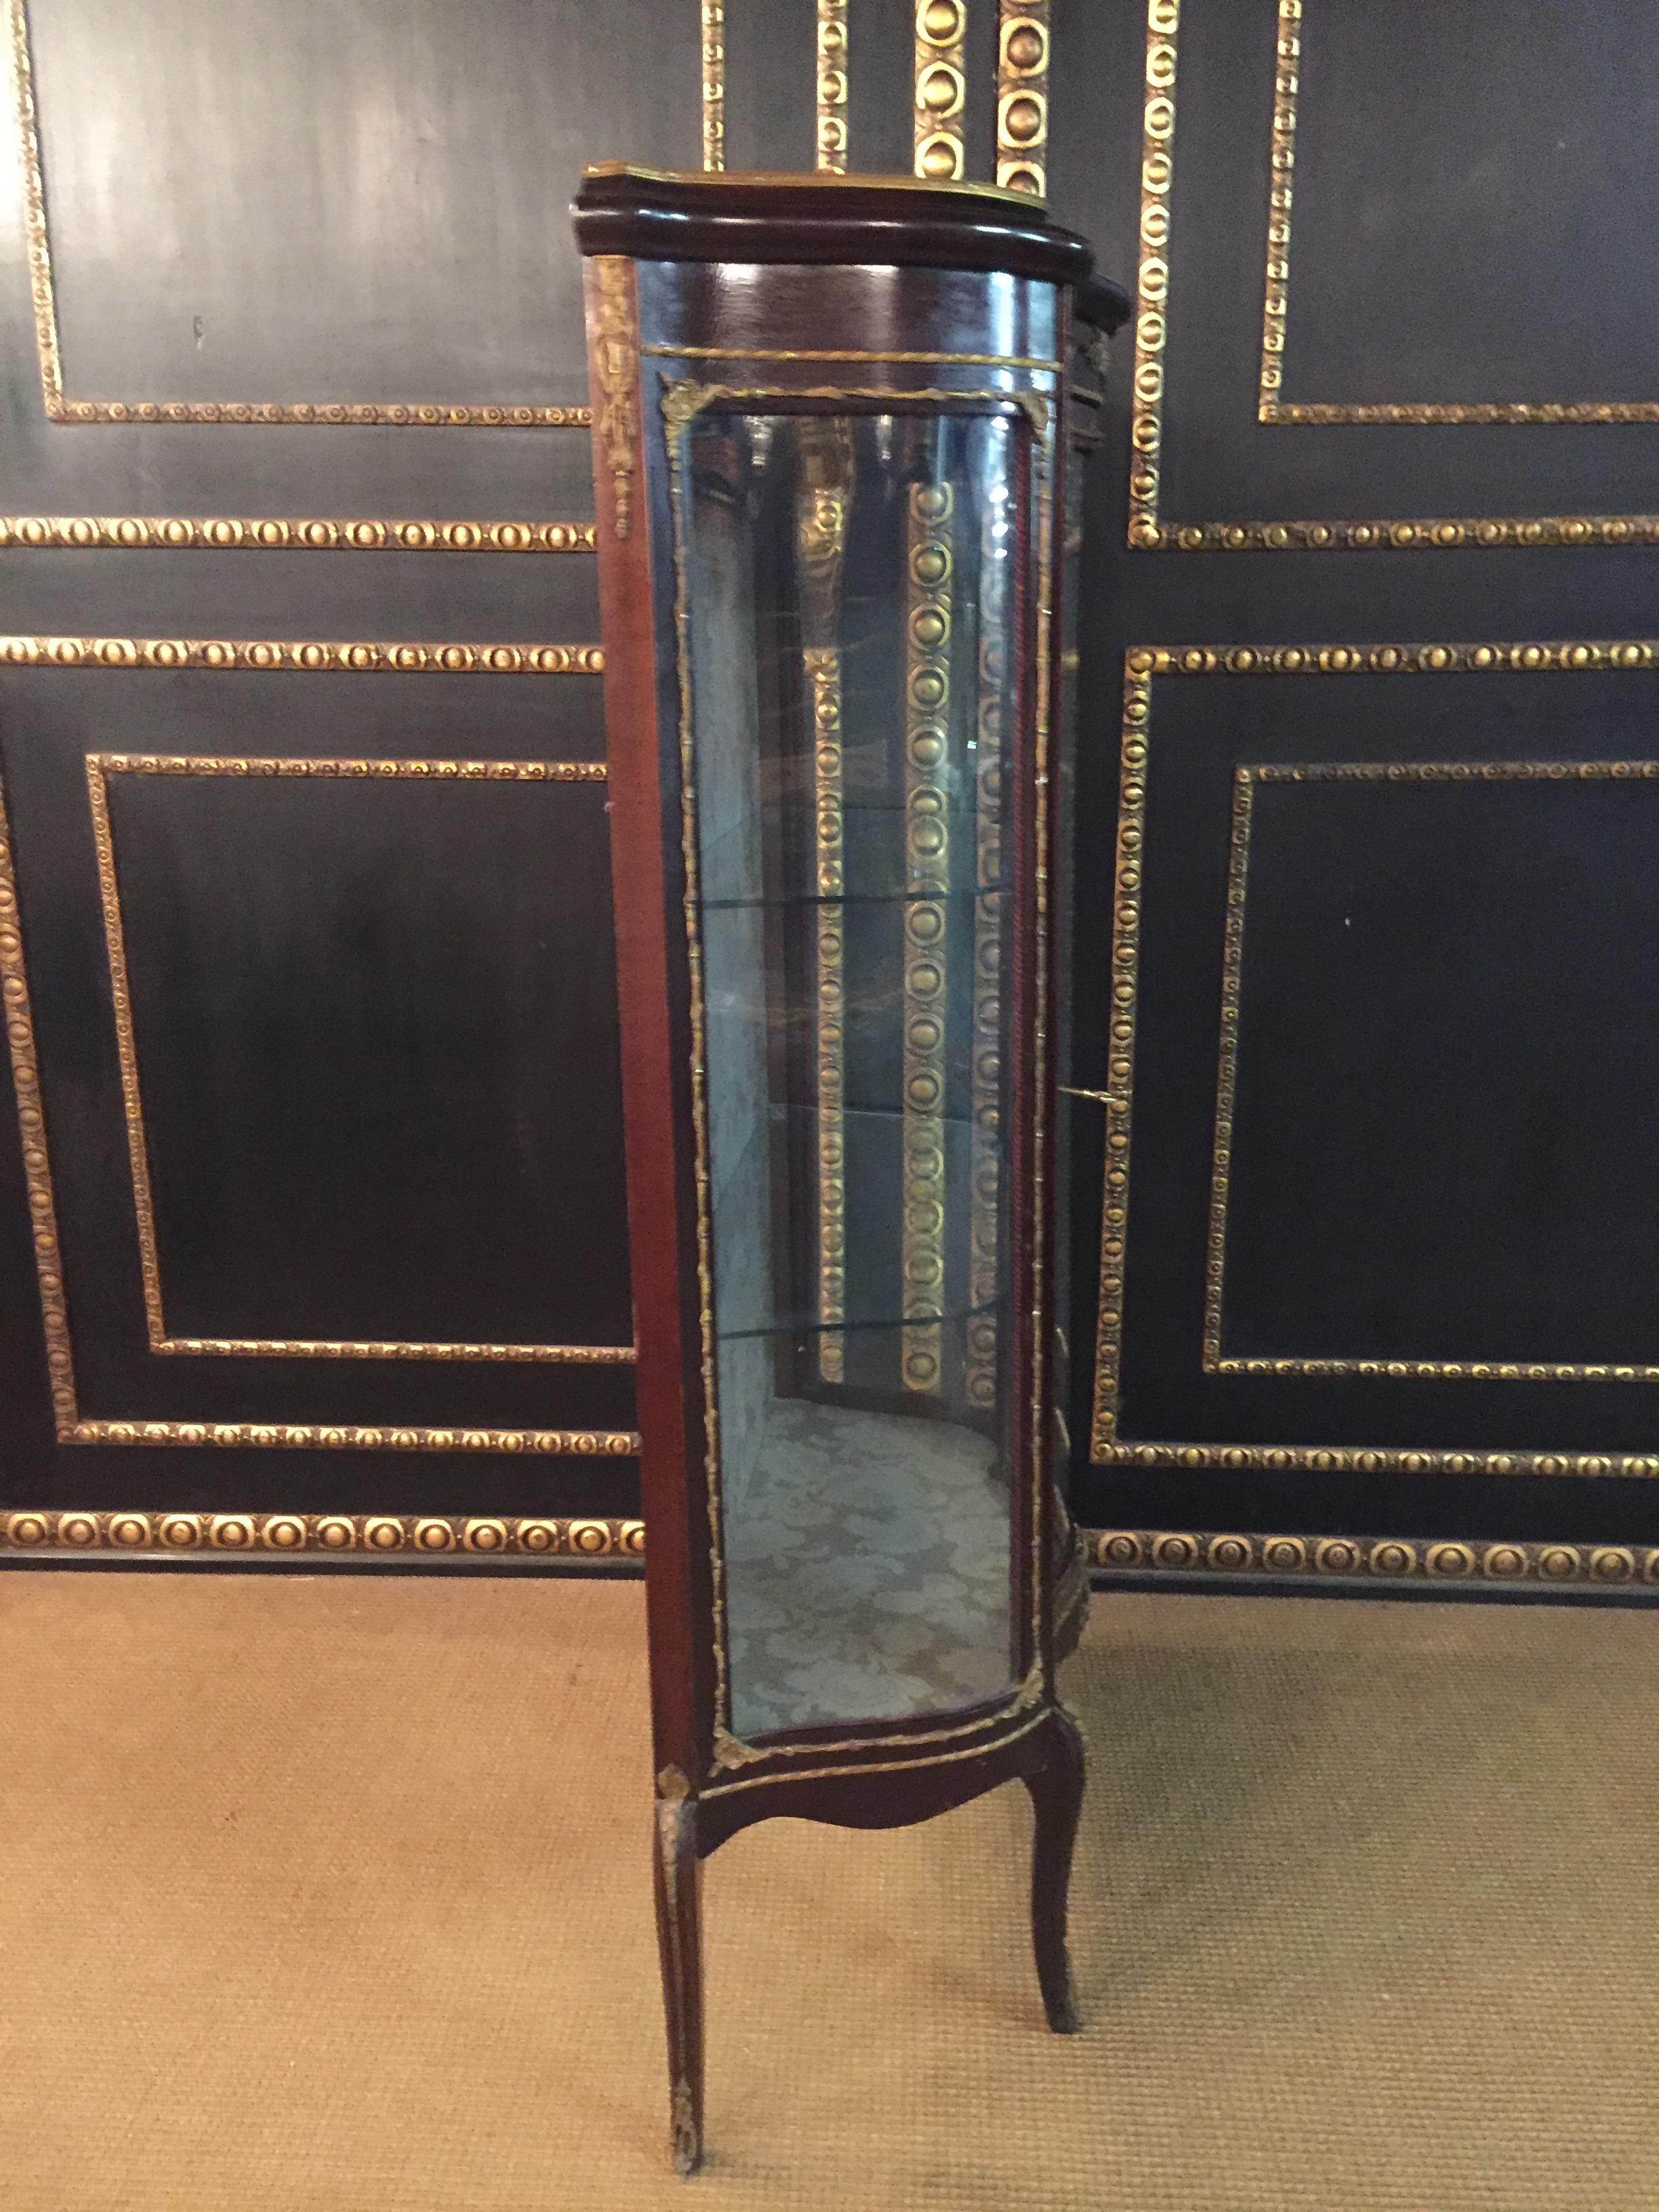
point(849, 599)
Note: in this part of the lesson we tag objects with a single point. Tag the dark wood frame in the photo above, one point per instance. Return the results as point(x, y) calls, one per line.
point(877, 1774)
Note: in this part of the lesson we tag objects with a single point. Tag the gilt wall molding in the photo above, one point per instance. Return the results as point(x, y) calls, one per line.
point(311, 656)
point(940, 90)
point(830, 120)
point(225, 533)
point(1148, 530)
point(1375, 1559)
point(1023, 47)
point(418, 1538)
point(714, 83)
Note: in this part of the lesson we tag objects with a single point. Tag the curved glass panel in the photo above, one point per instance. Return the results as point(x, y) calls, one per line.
point(849, 608)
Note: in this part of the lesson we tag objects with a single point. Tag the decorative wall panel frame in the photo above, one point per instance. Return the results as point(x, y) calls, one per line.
point(1271, 407)
point(312, 415)
point(1148, 530)
point(100, 767)
point(309, 656)
point(1142, 665)
point(1392, 773)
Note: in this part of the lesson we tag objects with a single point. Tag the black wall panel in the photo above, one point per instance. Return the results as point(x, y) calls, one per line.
point(1384, 1118)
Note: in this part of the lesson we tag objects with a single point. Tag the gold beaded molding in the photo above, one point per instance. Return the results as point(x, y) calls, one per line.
point(1023, 96)
point(314, 415)
point(714, 84)
point(274, 534)
point(1113, 1551)
point(941, 89)
point(1370, 1558)
point(319, 1535)
point(310, 654)
point(1147, 529)
point(832, 58)
point(1142, 665)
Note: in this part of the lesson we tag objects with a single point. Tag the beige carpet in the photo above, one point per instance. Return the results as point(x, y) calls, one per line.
point(333, 1894)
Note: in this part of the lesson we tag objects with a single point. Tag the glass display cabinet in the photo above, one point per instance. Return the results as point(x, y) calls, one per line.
point(831, 428)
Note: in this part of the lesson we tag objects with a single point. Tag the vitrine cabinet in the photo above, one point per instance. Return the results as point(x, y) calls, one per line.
point(830, 435)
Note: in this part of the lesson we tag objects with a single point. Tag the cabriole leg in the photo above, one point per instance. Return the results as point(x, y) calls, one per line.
point(679, 1937)
point(1056, 1790)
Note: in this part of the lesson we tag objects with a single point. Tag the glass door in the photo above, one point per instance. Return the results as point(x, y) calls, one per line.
point(850, 610)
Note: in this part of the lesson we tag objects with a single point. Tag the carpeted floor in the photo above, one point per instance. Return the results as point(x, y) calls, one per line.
point(333, 1895)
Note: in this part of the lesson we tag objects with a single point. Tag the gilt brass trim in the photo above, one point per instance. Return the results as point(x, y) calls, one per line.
point(250, 1347)
point(683, 398)
point(994, 1732)
point(100, 767)
point(418, 1537)
point(617, 365)
point(293, 534)
point(833, 353)
point(713, 86)
point(680, 404)
point(1147, 530)
point(1023, 38)
point(1142, 664)
point(832, 82)
point(1245, 780)
point(1371, 1558)
point(1044, 419)
point(314, 415)
point(1270, 409)
point(310, 655)
point(940, 90)
point(929, 591)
